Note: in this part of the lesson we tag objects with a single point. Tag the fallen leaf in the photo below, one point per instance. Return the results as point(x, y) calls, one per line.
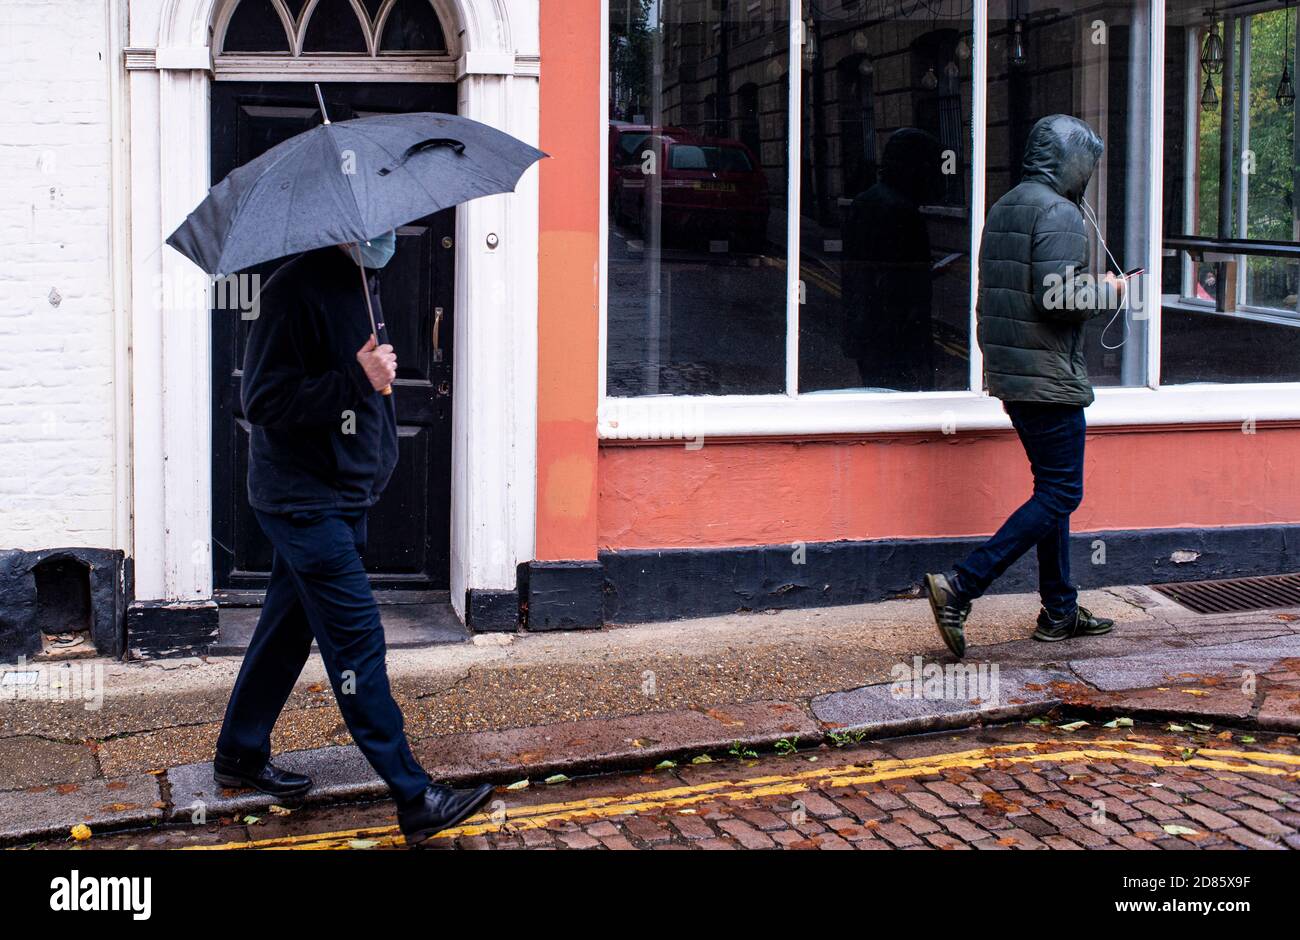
point(81, 832)
point(556, 778)
point(362, 843)
point(278, 810)
point(666, 765)
point(1176, 830)
point(1073, 726)
point(1119, 723)
point(702, 759)
point(518, 785)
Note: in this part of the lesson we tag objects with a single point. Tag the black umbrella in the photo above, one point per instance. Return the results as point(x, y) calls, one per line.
point(345, 183)
point(348, 182)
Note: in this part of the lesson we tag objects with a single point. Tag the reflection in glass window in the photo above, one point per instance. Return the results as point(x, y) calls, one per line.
point(1230, 311)
point(698, 154)
point(1090, 59)
point(885, 183)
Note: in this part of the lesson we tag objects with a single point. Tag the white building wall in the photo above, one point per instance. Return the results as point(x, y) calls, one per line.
point(57, 353)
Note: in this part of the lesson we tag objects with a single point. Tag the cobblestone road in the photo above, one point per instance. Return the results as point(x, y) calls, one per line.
point(1012, 787)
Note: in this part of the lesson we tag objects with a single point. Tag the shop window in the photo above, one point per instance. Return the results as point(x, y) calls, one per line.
point(704, 294)
point(884, 234)
point(1231, 222)
point(873, 293)
point(1084, 58)
point(698, 292)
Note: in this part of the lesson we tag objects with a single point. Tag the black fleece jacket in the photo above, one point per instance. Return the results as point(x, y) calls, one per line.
point(322, 437)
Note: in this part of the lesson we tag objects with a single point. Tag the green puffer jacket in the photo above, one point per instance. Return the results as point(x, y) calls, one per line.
point(1034, 295)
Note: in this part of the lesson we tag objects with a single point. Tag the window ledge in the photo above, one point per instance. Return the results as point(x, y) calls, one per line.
point(819, 415)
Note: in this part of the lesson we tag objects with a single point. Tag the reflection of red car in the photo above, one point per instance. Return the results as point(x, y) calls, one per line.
point(625, 142)
point(707, 185)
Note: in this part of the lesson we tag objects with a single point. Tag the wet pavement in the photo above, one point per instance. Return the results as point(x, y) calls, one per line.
point(505, 707)
point(1045, 784)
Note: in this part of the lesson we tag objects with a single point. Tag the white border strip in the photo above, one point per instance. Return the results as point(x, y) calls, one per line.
point(794, 197)
point(857, 413)
point(602, 253)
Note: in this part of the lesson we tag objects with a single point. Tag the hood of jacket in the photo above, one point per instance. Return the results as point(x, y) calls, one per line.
point(912, 163)
point(1062, 152)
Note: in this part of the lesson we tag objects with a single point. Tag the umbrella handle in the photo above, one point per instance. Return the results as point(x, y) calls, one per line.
point(365, 292)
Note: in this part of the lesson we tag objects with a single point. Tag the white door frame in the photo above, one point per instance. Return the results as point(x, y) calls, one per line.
point(494, 407)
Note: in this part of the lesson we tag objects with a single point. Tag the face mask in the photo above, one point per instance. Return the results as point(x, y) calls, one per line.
point(377, 252)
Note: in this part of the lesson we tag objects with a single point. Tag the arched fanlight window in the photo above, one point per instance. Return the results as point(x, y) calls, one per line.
point(297, 28)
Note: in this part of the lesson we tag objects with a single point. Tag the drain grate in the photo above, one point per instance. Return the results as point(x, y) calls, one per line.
point(1235, 594)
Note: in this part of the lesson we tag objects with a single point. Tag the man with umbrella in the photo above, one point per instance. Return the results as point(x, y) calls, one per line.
point(316, 390)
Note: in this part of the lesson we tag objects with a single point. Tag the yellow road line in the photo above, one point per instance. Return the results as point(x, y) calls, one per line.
point(686, 796)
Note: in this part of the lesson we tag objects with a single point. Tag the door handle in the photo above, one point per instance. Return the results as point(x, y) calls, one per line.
point(437, 329)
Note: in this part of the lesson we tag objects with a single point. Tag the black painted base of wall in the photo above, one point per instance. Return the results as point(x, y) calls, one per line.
point(162, 630)
point(62, 588)
point(492, 611)
point(563, 595)
point(676, 583)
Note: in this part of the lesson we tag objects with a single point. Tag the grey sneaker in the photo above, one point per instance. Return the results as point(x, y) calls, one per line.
point(1081, 623)
point(949, 617)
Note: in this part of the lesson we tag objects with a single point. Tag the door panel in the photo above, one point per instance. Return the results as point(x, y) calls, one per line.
point(409, 542)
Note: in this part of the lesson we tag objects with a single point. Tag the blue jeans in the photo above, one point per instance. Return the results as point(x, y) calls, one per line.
point(1053, 437)
point(319, 588)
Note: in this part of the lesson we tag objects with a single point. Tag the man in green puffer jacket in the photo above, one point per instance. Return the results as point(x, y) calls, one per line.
point(1035, 295)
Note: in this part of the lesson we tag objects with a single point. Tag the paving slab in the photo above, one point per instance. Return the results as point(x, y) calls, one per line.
point(52, 811)
point(1141, 671)
point(27, 761)
point(1280, 710)
point(577, 747)
point(340, 773)
point(884, 709)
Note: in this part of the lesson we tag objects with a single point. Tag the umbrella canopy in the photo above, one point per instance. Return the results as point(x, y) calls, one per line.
point(348, 182)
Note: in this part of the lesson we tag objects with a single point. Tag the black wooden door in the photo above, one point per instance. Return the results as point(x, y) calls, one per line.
point(409, 544)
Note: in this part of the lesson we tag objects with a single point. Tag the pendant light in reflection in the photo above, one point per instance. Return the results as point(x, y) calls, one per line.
point(1285, 89)
point(1209, 98)
point(1212, 45)
point(1018, 57)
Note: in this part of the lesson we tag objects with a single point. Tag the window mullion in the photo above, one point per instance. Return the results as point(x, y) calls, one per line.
point(794, 127)
point(979, 146)
point(1152, 301)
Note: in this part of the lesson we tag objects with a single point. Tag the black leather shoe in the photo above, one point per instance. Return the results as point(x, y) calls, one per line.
point(949, 615)
point(1080, 623)
point(439, 808)
point(270, 780)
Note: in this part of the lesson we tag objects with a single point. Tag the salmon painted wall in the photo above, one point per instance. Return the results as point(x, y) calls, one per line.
point(568, 298)
point(912, 486)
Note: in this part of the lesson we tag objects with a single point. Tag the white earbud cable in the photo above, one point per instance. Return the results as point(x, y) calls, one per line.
point(1123, 304)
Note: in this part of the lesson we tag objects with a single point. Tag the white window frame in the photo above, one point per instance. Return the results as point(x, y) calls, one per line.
point(852, 412)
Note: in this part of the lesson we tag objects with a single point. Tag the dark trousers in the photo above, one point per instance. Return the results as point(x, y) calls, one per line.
point(319, 589)
point(1053, 437)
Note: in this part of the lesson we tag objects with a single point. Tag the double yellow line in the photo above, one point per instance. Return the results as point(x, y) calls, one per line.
point(683, 798)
